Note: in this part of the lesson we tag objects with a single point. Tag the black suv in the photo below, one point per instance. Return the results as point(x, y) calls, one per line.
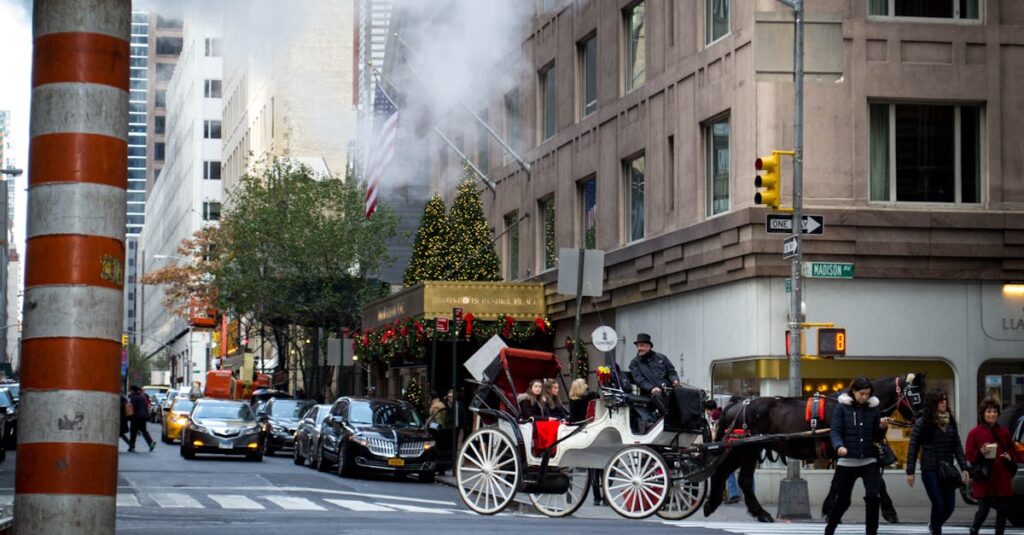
point(1015, 513)
point(377, 435)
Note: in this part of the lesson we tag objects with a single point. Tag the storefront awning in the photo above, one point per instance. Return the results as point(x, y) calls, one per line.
point(487, 301)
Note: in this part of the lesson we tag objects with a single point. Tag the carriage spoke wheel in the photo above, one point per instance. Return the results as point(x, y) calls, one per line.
point(487, 471)
point(636, 482)
point(684, 497)
point(567, 503)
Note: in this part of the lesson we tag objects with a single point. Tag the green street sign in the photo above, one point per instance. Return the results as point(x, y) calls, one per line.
point(828, 270)
point(789, 285)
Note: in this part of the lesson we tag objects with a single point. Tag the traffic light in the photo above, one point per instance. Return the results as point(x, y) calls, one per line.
point(772, 194)
point(124, 340)
point(832, 342)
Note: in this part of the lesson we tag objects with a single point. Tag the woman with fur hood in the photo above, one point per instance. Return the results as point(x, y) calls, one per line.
point(857, 424)
point(532, 403)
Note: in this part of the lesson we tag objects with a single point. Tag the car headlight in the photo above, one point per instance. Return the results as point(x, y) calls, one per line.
point(429, 444)
point(199, 429)
point(276, 428)
point(181, 420)
point(359, 440)
point(251, 429)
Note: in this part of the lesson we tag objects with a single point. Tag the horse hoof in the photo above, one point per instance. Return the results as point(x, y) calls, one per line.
point(765, 517)
point(709, 508)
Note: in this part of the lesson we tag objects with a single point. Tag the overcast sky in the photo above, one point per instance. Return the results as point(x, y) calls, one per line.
point(15, 91)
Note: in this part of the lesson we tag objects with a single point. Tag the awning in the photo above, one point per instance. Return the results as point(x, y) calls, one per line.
point(488, 301)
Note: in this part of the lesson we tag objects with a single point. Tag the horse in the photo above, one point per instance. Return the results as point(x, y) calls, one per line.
point(781, 415)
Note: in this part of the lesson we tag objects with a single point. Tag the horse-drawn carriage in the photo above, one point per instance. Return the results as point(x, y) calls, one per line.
point(649, 467)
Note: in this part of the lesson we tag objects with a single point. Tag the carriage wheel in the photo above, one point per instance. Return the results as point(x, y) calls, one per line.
point(684, 497)
point(565, 504)
point(487, 471)
point(636, 482)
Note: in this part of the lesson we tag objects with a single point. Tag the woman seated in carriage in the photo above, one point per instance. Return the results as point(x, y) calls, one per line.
point(555, 407)
point(533, 403)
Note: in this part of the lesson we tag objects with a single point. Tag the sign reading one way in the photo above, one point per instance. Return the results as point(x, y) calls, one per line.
point(783, 224)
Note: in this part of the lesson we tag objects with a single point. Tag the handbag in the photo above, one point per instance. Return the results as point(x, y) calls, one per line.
point(886, 456)
point(948, 473)
point(980, 470)
point(1011, 467)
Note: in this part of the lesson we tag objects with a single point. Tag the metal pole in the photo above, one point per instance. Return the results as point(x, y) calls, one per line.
point(483, 177)
point(794, 499)
point(66, 474)
point(576, 326)
point(433, 363)
point(455, 391)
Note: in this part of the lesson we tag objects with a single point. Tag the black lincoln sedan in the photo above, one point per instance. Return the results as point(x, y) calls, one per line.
point(376, 435)
point(281, 419)
point(220, 426)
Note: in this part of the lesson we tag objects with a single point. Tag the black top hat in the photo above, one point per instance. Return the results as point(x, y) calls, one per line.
point(643, 337)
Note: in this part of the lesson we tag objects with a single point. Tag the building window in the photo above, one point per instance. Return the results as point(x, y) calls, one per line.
point(588, 213)
point(158, 151)
point(211, 211)
point(587, 73)
point(164, 71)
point(512, 118)
point(168, 46)
point(211, 129)
point(670, 171)
point(211, 170)
point(483, 144)
point(634, 198)
point(137, 151)
point(211, 89)
point(940, 9)
point(716, 16)
point(716, 165)
point(548, 253)
point(546, 99)
point(162, 22)
point(213, 48)
point(160, 98)
point(512, 246)
point(933, 151)
point(636, 47)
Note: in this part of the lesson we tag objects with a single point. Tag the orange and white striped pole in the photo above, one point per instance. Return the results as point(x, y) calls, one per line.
point(66, 477)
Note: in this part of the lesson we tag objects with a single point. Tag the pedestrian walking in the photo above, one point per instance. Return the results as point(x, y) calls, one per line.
point(139, 410)
point(123, 428)
point(196, 391)
point(991, 452)
point(857, 424)
point(936, 436)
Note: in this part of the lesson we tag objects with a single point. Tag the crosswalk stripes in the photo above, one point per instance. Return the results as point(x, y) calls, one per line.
point(127, 500)
point(418, 509)
point(797, 528)
point(175, 500)
point(234, 501)
point(355, 505)
point(294, 503)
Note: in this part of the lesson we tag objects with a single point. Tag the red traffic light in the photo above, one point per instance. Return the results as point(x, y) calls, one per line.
point(758, 164)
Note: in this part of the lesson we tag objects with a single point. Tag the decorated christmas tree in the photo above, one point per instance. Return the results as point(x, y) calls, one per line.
point(429, 258)
point(470, 247)
point(414, 394)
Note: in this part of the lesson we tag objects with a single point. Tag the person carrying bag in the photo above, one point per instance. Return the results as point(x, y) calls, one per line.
point(993, 463)
point(936, 436)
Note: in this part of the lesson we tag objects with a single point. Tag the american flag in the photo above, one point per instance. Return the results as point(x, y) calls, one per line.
point(385, 122)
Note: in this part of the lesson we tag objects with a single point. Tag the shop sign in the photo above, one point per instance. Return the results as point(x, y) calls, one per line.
point(1002, 314)
point(993, 380)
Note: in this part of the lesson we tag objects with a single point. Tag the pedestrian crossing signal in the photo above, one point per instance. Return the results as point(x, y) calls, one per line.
point(832, 342)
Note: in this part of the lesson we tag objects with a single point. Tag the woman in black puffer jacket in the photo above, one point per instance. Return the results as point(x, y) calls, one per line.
point(857, 425)
point(936, 435)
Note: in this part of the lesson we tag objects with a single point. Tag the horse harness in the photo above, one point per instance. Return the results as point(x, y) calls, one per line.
point(814, 412)
point(902, 397)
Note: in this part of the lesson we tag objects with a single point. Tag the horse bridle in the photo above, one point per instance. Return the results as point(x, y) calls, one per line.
point(907, 397)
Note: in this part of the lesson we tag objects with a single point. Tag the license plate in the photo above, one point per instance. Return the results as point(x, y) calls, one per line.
point(225, 444)
point(396, 462)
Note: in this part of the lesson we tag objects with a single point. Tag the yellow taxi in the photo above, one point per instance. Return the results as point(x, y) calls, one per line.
point(175, 419)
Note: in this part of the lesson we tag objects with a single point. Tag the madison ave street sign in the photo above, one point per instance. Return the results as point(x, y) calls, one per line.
point(783, 224)
point(828, 270)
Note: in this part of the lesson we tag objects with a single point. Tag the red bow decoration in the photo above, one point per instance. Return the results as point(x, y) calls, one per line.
point(405, 331)
point(419, 329)
point(509, 322)
point(468, 318)
point(542, 324)
point(366, 339)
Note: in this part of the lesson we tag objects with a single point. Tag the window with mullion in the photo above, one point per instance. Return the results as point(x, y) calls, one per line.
point(587, 58)
point(512, 246)
point(546, 100)
point(716, 142)
point(931, 9)
point(635, 198)
point(636, 46)
point(548, 251)
point(588, 213)
point(716, 16)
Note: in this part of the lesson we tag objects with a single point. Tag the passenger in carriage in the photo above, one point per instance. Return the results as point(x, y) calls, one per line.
point(532, 403)
point(579, 399)
point(553, 401)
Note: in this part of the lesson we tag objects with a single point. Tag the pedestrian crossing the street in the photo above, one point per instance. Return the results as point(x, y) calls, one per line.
point(799, 528)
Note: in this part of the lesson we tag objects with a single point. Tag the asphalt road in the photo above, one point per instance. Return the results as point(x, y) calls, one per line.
point(160, 492)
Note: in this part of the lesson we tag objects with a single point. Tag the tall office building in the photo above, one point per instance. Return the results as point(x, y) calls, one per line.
point(6, 198)
point(138, 105)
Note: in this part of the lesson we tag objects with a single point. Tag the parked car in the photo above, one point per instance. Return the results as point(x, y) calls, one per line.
point(281, 418)
point(1015, 512)
point(175, 419)
point(156, 402)
point(223, 427)
point(15, 389)
point(307, 435)
point(376, 435)
point(10, 410)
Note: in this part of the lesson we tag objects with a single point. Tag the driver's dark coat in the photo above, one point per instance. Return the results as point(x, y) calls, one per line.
point(652, 369)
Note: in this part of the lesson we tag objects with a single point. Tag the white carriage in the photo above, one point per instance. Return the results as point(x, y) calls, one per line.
point(647, 469)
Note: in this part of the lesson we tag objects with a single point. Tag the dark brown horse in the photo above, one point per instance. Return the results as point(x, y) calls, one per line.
point(778, 415)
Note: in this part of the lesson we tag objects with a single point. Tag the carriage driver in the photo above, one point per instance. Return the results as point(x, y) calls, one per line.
point(652, 372)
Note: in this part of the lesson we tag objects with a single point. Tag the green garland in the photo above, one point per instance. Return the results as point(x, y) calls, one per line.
point(409, 338)
point(580, 361)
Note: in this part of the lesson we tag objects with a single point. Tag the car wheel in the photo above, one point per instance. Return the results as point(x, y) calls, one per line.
point(427, 476)
point(296, 457)
point(345, 465)
point(321, 463)
point(255, 456)
point(187, 451)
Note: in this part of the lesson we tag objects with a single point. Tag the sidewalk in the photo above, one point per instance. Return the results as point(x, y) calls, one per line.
point(962, 516)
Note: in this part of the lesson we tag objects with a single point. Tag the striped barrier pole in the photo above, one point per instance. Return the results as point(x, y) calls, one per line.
point(66, 475)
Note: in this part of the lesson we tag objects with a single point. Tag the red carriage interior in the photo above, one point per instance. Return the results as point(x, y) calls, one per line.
point(523, 366)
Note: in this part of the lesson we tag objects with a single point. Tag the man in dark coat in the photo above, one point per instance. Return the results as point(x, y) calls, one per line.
point(140, 410)
point(652, 372)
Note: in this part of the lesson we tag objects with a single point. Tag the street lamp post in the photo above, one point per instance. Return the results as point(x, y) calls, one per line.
point(11, 171)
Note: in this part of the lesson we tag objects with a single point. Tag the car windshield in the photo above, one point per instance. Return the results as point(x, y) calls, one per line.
point(184, 405)
point(224, 411)
point(389, 414)
point(5, 398)
point(15, 390)
point(287, 408)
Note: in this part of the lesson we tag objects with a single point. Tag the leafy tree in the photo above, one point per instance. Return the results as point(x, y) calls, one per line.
point(188, 284)
point(429, 260)
point(470, 246)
